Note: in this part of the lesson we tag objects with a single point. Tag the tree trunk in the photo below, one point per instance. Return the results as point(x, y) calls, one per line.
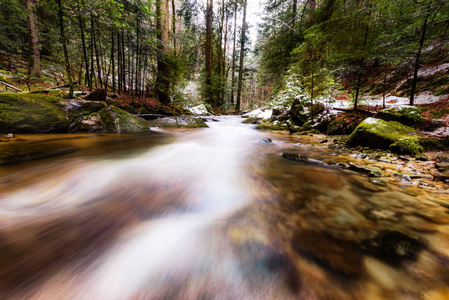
point(242, 54)
point(35, 61)
point(208, 51)
point(64, 47)
point(97, 57)
point(233, 53)
point(418, 54)
point(173, 8)
point(83, 40)
point(113, 60)
point(162, 78)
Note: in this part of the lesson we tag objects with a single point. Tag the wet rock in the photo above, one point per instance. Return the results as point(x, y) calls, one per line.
point(339, 256)
point(441, 158)
point(442, 166)
point(10, 135)
point(366, 170)
point(252, 121)
point(380, 134)
point(441, 176)
point(305, 160)
point(378, 182)
point(178, 122)
point(421, 157)
point(392, 247)
point(266, 141)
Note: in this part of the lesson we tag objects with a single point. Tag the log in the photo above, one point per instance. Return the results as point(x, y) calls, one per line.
point(53, 88)
point(150, 116)
point(10, 86)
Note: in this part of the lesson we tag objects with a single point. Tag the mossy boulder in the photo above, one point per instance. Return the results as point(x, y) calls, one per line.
point(31, 113)
point(407, 115)
point(276, 125)
point(392, 135)
point(78, 108)
point(178, 122)
point(109, 119)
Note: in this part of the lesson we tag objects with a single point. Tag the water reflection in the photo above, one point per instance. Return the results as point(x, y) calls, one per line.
point(212, 213)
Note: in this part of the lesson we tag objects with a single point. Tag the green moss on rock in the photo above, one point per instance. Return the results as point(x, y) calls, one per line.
point(31, 113)
point(380, 134)
point(110, 119)
point(407, 115)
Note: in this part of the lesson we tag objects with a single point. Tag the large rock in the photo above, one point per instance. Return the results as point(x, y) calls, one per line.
point(407, 115)
point(178, 122)
point(78, 108)
point(31, 113)
point(380, 134)
point(200, 110)
point(36, 113)
point(261, 113)
point(109, 119)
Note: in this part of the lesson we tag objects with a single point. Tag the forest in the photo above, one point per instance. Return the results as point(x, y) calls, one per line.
point(224, 149)
point(192, 51)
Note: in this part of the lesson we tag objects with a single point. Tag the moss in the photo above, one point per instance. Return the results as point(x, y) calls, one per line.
point(31, 113)
point(272, 126)
point(434, 143)
point(409, 146)
point(380, 134)
point(407, 115)
point(129, 123)
point(251, 120)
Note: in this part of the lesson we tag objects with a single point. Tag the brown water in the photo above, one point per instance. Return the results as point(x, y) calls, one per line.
point(211, 214)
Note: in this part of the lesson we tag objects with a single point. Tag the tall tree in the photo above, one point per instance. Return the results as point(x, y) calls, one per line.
point(64, 47)
point(163, 71)
point(208, 51)
point(34, 58)
point(242, 54)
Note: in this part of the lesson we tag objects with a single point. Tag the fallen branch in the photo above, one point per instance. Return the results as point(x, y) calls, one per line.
point(10, 86)
point(53, 88)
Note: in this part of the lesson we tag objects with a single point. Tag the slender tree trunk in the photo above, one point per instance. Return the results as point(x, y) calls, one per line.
point(384, 87)
point(242, 54)
point(123, 62)
point(418, 54)
point(208, 51)
point(35, 60)
point(311, 94)
point(233, 53)
point(119, 64)
point(64, 47)
point(113, 60)
point(162, 78)
point(173, 8)
point(97, 57)
point(92, 75)
point(83, 40)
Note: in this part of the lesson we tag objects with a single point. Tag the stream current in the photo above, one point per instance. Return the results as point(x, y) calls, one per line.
point(212, 213)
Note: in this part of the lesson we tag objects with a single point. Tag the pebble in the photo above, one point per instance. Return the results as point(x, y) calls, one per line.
point(10, 135)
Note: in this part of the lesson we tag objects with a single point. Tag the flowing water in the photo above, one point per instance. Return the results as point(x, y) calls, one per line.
point(212, 213)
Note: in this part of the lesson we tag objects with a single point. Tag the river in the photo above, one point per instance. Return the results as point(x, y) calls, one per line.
point(213, 213)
